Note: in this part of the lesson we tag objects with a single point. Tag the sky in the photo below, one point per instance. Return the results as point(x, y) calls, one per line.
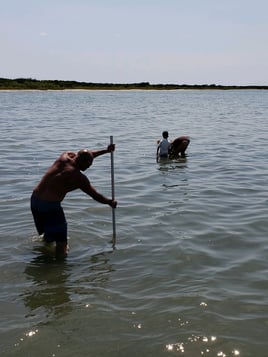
point(221, 42)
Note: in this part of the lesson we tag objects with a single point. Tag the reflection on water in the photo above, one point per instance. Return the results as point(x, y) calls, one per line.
point(201, 346)
point(50, 285)
point(48, 289)
point(55, 290)
point(167, 164)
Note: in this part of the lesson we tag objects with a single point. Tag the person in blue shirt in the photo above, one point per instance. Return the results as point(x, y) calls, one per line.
point(163, 146)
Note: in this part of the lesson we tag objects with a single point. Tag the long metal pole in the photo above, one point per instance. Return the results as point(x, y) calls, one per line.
point(113, 191)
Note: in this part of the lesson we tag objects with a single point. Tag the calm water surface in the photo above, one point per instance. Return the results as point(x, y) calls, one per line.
point(188, 276)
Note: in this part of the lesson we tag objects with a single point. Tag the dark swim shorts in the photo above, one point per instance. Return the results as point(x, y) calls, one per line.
point(49, 219)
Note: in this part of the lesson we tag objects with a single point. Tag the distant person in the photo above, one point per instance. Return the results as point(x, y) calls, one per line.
point(62, 177)
point(172, 149)
point(178, 147)
point(163, 146)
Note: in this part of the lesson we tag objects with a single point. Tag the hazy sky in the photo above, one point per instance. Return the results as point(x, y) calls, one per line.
point(130, 41)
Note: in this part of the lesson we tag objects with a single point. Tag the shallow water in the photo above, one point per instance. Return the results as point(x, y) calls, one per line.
point(189, 272)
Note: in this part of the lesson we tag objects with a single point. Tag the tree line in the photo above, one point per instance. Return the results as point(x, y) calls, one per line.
point(34, 84)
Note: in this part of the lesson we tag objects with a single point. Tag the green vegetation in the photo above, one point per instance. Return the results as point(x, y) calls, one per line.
point(34, 84)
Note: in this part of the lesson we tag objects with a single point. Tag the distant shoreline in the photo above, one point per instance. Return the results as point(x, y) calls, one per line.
point(34, 84)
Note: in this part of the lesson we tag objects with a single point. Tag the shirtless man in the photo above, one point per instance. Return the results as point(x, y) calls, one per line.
point(179, 146)
point(62, 177)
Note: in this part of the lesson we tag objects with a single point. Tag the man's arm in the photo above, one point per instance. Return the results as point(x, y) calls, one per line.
point(157, 151)
point(86, 187)
point(96, 153)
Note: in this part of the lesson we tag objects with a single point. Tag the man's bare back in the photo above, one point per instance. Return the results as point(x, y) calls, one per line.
point(62, 177)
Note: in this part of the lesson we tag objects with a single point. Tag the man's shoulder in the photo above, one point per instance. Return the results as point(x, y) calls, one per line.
point(68, 155)
point(67, 158)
